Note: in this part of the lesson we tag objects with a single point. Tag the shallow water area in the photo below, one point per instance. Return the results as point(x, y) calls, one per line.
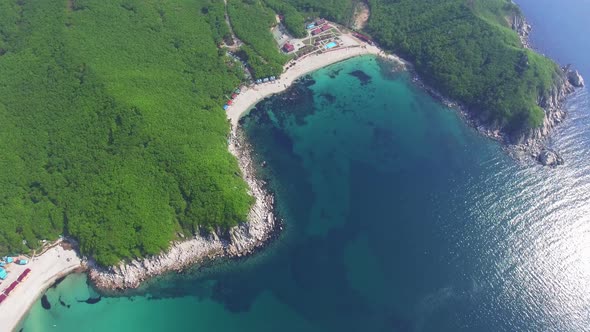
point(398, 218)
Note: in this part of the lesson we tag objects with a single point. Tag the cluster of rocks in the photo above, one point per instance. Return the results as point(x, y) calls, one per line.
point(549, 157)
point(239, 241)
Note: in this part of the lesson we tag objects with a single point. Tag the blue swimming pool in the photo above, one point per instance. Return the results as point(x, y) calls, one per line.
point(330, 45)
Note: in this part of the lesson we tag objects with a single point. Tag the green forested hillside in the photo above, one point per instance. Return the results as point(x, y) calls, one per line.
point(335, 10)
point(111, 129)
point(293, 19)
point(251, 21)
point(467, 50)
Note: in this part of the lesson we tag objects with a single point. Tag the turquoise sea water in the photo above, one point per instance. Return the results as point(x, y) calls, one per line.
point(398, 217)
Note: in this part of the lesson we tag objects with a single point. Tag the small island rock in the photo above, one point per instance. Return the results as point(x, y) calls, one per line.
point(550, 158)
point(574, 77)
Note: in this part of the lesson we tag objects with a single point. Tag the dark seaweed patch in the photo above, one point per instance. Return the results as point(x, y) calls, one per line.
point(92, 300)
point(282, 139)
point(361, 76)
point(335, 73)
point(234, 298)
point(307, 81)
point(329, 97)
point(57, 282)
point(63, 303)
point(45, 302)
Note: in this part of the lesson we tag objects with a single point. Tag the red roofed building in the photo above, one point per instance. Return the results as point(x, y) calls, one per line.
point(363, 38)
point(288, 47)
point(316, 31)
point(326, 27)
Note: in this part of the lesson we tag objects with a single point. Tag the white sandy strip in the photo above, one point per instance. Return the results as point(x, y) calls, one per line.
point(45, 269)
point(251, 95)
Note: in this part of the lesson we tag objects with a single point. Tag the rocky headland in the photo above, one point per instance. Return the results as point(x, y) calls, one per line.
point(238, 241)
point(532, 143)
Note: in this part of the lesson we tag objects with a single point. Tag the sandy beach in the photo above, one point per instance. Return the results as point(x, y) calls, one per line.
point(56, 262)
point(251, 95)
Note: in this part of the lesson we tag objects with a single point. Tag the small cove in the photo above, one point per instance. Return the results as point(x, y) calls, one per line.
point(398, 218)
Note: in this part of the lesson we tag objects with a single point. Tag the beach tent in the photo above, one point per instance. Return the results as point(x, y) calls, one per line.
point(3, 274)
point(238, 91)
point(23, 275)
point(8, 259)
point(230, 102)
point(225, 107)
point(22, 262)
point(234, 96)
point(11, 287)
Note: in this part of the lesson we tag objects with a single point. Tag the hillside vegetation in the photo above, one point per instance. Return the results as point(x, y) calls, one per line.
point(467, 51)
point(334, 10)
point(111, 127)
point(252, 21)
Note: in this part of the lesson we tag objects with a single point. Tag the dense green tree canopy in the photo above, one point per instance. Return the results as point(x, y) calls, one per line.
point(293, 19)
point(252, 21)
point(111, 124)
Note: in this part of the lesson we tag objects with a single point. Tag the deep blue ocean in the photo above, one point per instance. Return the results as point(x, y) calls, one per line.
point(398, 217)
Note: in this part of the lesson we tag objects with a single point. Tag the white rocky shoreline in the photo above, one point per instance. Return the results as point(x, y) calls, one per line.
point(241, 240)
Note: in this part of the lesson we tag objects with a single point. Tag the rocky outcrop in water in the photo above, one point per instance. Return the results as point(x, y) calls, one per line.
point(548, 157)
point(574, 77)
point(239, 241)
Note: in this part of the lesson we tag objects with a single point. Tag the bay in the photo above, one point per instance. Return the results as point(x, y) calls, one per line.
point(398, 217)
